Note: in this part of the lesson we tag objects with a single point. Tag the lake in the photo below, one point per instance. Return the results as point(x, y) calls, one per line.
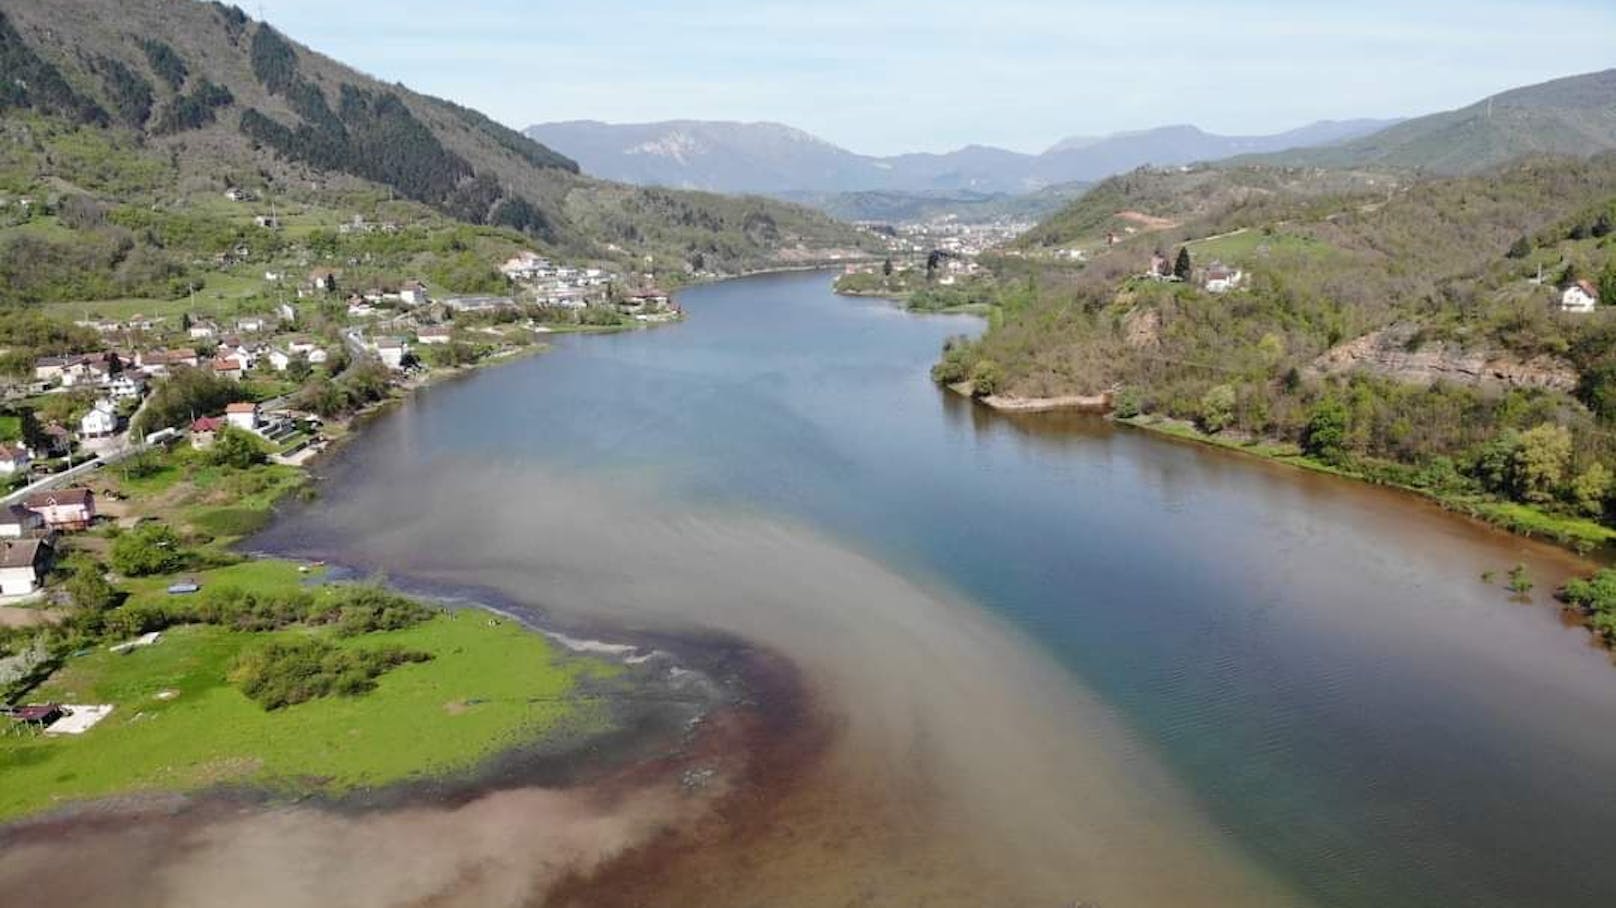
point(1304, 675)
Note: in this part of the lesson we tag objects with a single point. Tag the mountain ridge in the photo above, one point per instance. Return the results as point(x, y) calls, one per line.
point(736, 156)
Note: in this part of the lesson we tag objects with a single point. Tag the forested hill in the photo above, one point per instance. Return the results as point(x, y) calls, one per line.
point(1413, 332)
point(1574, 116)
point(215, 99)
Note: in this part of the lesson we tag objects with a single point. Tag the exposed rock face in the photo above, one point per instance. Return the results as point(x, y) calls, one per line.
point(1395, 352)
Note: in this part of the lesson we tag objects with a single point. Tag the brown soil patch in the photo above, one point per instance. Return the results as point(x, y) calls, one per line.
point(1147, 221)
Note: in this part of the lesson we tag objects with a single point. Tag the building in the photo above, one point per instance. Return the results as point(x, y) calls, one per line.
point(17, 522)
point(391, 351)
point(204, 430)
point(287, 312)
point(1579, 297)
point(126, 386)
point(22, 563)
point(226, 368)
point(55, 441)
point(51, 368)
point(268, 222)
point(1222, 279)
point(323, 280)
point(14, 459)
point(413, 293)
point(252, 324)
point(434, 334)
point(203, 330)
point(64, 509)
point(242, 415)
point(101, 421)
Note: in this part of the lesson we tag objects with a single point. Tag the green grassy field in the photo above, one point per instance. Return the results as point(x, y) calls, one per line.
point(1251, 245)
point(179, 725)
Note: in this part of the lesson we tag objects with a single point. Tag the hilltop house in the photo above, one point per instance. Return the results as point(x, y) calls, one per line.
point(13, 459)
point(101, 421)
point(64, 509)
point(17, 522)
point(1220, 278)
point(1579, 297)
point(22, 563)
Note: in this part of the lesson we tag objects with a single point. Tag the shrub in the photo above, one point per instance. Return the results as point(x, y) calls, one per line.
point(986, 378)
point(147, 550)
point(1217, 408)
point(287, 672)
point(231, 521)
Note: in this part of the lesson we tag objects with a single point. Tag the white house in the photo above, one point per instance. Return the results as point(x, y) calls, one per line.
point(413, 293)
point(1222, 279)
point(203, 330)
point(13, 459)
point(22, 563)
point(101, 421)
point(279, 360)
point(1579, 297)
point(126, 385)
point(434, 334)
point(287, 313)
point(17, 522)
point(242, 416)
point(391, 351)
point(252, 324)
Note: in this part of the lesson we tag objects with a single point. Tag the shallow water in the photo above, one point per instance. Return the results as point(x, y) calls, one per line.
point(1067, 661)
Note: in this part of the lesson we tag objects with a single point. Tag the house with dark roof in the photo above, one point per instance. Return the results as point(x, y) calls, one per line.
point(22, 563)
point(64, 509)
point(17, 522)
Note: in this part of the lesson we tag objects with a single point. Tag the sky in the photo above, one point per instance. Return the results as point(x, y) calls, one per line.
point(883, 77)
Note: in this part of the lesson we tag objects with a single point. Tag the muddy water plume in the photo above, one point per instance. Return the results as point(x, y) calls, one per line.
point(961, 766)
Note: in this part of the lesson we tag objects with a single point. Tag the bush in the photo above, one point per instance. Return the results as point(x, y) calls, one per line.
point(1217, 408)
point(986, 378)
point(235, 448)
point(287, 672)
point(147, 550)
point(1127, 403)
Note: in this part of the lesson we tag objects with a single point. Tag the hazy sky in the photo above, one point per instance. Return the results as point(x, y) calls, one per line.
point(882, 77)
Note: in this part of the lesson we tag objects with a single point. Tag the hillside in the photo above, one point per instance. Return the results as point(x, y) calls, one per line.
point(894, 207)
point(774, 159)
point(210, 99)
point(1571, 116)
point(1412, 336)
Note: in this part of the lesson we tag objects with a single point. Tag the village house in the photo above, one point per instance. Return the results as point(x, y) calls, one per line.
point(434, 334)
point(54, 441)
point(525, 266)
point(242, 415)
point(50, 368)
point(1579, 297)
point(158, 362)
point(267, 222)
point(1160, 267)
point(17, 522)
point(101, 421)
point(205, 430)
point(126, 386)
point(14, 459)
point(252, 324)
point(1221, 278)
point(22, 563)
point(203, 330)
point(237, 194)
point(413, 293)
point(64, 509)
point(287, 313)
point(279, 359)
point(226, 367)
point(391, 351)
point(479, 303)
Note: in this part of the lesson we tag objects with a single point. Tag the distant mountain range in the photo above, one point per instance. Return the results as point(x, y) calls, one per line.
point(772, 159)
point(1571, 116)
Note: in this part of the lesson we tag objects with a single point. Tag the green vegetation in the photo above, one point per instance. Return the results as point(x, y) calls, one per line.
point(1445, 269)
point(180, 725)
point(285, 673)
point(1595, 599)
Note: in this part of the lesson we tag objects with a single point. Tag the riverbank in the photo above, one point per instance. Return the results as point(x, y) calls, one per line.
point(1580, 535)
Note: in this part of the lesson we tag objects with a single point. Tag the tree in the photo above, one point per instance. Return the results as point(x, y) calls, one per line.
point(235, 448)
point(1325, 436)
point(986, 378)
point(1217, 408)
point(298, 368)
point(886, 267)
point(89, 589)
point(1591, 489)
point(1182, 267)
point(151, 549)
point(1521, 248)
point(1541, 462)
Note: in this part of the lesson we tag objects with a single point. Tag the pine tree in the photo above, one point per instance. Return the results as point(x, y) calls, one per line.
point(1182, 267)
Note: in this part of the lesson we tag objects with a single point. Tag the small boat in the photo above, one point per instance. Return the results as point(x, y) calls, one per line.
point(184, 587)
